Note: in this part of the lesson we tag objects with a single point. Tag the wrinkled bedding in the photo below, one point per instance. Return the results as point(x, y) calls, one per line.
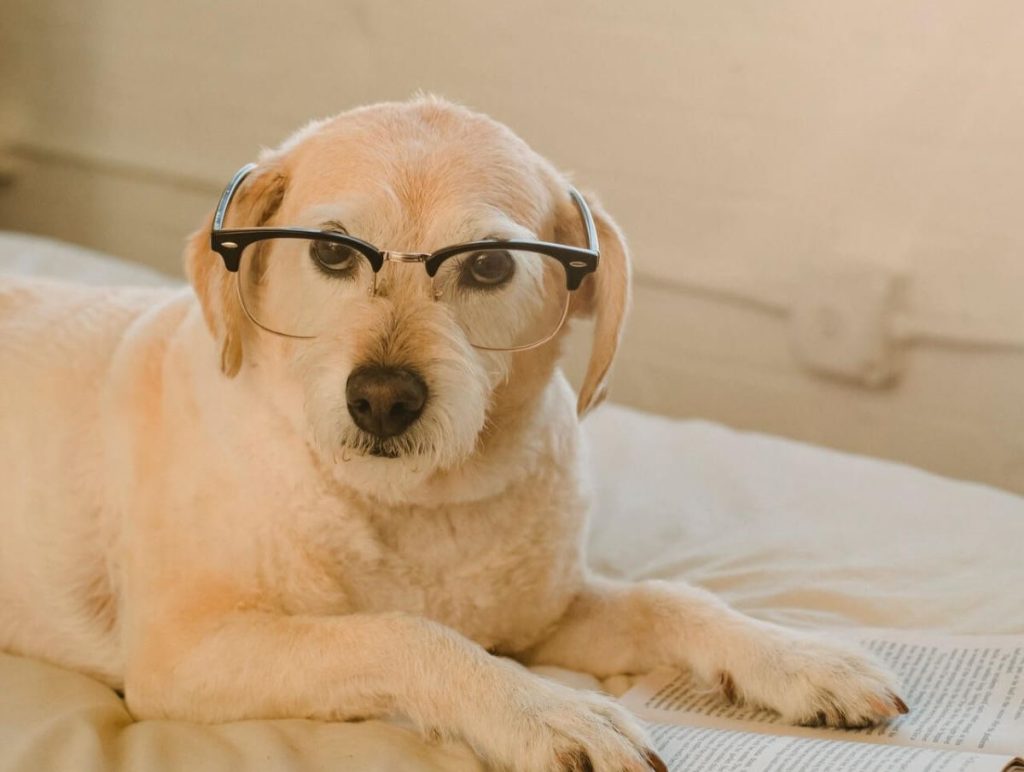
point(787, 532)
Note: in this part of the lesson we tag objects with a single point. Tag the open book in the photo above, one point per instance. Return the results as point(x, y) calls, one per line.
point(966, 698)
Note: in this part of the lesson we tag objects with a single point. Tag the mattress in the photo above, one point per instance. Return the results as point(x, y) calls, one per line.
point(784, 531)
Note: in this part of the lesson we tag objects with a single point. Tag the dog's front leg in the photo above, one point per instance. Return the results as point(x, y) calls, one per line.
point(245, 665)
point(614, 627)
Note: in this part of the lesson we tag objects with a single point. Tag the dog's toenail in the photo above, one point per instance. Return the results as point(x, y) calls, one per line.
point(901, 706)
point(575, 761)
point(655, 762)
point(728, 687)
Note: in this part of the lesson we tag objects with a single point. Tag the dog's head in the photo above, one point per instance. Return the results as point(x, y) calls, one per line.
point(392, 388)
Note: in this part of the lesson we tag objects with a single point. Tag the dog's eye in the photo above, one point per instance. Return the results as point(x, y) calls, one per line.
point(488, 269)
point(333, 257)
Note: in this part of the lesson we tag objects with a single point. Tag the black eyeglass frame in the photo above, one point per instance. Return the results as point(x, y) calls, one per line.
point(230, 243)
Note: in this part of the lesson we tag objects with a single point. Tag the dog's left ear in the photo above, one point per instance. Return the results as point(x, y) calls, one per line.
point(256, 201)
point(604, 294)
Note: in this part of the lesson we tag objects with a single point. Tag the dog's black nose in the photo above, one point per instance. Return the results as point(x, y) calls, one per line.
point(385, 401)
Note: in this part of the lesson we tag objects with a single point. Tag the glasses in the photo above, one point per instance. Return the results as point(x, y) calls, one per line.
point(507, 295)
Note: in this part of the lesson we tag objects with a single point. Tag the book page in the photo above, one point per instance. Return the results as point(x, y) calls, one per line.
point(722, 750)
point(964, 692)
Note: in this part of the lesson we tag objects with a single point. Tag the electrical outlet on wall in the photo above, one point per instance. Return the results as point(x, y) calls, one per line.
point(841, 321)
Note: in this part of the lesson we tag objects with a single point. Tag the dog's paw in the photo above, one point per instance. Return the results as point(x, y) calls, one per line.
point(813, 682)
point(546, 726)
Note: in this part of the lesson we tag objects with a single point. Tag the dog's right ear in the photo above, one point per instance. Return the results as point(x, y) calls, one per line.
point(255, 202)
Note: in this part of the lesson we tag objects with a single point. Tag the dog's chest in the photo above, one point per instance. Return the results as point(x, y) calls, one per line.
point(500, 574)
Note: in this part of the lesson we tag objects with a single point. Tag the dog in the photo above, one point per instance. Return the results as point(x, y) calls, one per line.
point(231, 521)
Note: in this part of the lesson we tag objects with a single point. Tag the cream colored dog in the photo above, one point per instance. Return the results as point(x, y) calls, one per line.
point(189, 512)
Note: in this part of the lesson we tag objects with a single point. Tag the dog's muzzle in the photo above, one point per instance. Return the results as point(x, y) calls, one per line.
point(385, 401)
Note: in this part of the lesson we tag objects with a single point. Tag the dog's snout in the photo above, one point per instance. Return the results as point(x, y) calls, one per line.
point(385, 401)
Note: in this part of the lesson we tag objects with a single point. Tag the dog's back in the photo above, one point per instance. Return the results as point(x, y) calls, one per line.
point(57, 345)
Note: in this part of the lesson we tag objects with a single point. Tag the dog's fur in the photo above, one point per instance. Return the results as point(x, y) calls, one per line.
point(187, 514)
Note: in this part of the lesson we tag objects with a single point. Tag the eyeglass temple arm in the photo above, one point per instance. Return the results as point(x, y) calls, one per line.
point(228, 194)
point(588, 220)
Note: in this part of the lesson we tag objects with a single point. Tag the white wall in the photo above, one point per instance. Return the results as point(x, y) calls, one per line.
point(824, 198)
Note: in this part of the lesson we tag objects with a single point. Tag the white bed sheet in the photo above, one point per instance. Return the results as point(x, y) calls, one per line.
point(785, 531)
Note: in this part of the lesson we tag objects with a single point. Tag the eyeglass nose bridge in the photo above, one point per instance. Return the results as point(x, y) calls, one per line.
point(391, 256)
point(405, 257)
